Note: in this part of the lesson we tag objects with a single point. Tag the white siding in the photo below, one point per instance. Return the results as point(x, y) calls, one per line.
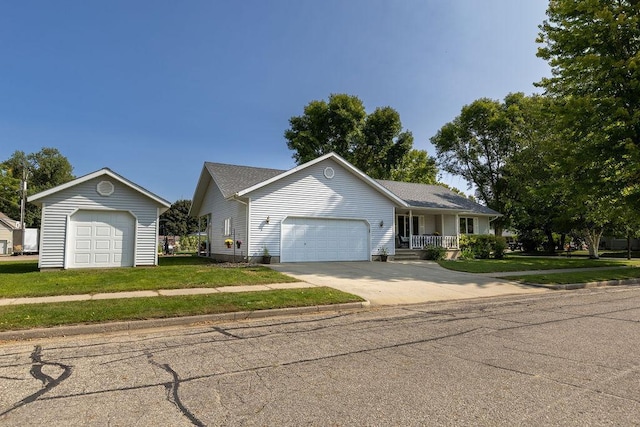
point(483, 225)
point(57, 207)
point(450, 225)
point(308, 193)
point(215, 205)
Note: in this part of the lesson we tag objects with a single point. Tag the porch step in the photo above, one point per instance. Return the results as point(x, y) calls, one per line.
point(406, 254)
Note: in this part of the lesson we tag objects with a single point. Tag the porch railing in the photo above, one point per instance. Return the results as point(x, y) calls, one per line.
point(418, 242)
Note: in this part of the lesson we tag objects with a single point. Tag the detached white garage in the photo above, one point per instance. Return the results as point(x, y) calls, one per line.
point(325, 239)
point(99, 220)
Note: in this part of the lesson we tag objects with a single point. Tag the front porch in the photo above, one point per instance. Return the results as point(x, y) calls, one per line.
point(417, 229)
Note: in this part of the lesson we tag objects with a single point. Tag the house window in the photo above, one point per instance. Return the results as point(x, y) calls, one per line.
point(466, 225)
point(227, 227)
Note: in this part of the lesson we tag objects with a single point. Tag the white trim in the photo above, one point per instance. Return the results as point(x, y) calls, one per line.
point(155, 248)
point(104, 171)
point(338, 159)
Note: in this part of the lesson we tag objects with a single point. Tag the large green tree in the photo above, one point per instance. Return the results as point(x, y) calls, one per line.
point(45, 169)
point(477, 145)
point(375, 143)
point(324, 127)
point(176, 220)
point(593, 48)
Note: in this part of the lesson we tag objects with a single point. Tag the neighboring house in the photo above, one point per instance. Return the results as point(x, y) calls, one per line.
point(326, 210)
point(99, 220)
point(7, 226)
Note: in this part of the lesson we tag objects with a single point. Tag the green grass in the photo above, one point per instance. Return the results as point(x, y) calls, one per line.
point(85, 312)
point(522, 263)
point(23, 279)
point(579, 277)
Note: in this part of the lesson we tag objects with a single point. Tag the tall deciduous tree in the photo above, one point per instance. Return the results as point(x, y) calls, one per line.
point(325, 127)
point(46, 168)
point(176, 220)
point(416, 166)
point(477, 146)
point(593, 48)
point(375, 143)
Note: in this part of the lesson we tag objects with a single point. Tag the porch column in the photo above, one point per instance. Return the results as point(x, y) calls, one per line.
point(458, 230)
point(410, 229)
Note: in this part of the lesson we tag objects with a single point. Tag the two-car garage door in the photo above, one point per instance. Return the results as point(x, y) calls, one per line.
point(324, 239)
point(101, 239)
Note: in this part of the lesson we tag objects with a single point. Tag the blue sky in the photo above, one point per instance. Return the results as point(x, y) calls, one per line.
point(152, 89)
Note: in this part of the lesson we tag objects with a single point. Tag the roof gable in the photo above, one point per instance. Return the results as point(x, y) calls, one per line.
point(435, 197)
point(9, 223)
point(37, 198)
point(239, 181)
point(348, 166)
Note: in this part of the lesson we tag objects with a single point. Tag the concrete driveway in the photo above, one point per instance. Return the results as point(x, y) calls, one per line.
point(401, 282)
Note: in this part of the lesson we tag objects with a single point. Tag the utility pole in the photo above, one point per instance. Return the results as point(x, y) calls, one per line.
point(23, 204)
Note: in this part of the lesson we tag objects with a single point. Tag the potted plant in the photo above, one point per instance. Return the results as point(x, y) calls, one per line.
point(383, 252)
point(238, 243)
point(228, 242)
point(266, 257)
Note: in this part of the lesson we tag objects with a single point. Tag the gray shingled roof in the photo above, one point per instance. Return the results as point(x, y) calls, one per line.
point(434, 196)
point(232, 178)
point(10, 223)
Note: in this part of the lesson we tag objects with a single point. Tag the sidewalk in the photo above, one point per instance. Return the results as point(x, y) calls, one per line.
point(154, 293)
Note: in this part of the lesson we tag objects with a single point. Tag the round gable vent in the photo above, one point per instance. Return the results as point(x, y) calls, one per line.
point(329, 172)
point(105, 188)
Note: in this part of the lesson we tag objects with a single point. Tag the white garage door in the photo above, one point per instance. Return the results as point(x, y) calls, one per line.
point(101, 239)
point(320, 239)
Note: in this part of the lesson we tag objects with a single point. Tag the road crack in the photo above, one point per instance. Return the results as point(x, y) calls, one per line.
point(48, 382)
point(173, 394)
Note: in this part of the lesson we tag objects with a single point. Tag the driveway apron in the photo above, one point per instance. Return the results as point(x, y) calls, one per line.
point(401, 282)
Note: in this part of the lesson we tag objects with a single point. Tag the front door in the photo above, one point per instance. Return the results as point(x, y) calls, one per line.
point(404, 221)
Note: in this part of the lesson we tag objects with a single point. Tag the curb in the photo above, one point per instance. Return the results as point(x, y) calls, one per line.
point(100, 328)
point(572, 286)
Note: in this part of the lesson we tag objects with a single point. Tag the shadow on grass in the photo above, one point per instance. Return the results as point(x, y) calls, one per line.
point(18, 267)
point(168, 261)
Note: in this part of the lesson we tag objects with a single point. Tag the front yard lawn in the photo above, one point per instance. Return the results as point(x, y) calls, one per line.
point(96, 311)
point(22, 278)
point(520, 263)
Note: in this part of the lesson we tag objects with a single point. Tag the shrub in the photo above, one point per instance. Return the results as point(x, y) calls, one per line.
point(499, 247)
point(190, 243)
point(434, 253)
point(482, 245)
point(466, 254)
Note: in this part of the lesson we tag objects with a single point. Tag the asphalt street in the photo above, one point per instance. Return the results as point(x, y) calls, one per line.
point(553, 358)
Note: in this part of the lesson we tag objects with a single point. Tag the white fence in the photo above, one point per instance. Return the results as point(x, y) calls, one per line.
point(418, 242)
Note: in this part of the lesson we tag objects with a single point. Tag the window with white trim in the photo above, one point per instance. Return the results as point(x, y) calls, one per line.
point(227, 227)
point(466, 225)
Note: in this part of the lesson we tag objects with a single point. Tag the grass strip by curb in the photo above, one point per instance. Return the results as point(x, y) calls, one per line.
point(528, 264)
point(97, 311)
point(579, 277)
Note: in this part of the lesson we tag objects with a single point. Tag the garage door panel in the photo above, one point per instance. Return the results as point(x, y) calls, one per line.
point(102, 239)
point(322, 239)
point(103, 244)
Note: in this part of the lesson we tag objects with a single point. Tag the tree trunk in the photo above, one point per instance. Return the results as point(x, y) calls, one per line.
point(551, 244)
point(592, 236)
point(628, 245)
